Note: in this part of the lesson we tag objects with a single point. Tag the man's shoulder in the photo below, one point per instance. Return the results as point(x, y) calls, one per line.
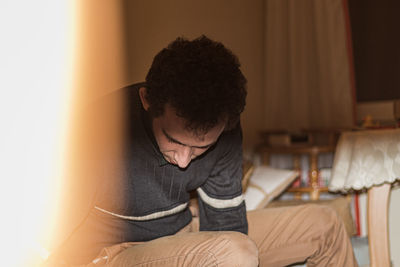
point(123, 99)
point(234, 133)
point(132, 88)
point(229, 142)
point(135, 86)
point(127, 92)
point(112, 109)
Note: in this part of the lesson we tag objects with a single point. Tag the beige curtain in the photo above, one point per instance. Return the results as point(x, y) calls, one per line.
point(307, 69)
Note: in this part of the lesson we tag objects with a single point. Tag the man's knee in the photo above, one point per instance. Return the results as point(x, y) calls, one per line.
point(327, 215)
point(325, 220)
point(236, 249)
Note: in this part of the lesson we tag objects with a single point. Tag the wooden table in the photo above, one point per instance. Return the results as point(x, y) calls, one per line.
point(370, 160)
point(314, 189)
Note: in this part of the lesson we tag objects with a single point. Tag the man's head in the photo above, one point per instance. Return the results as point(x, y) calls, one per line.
point(195, 90)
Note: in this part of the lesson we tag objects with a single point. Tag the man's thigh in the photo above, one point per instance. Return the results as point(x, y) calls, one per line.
point(192, 249)
point(294, 234)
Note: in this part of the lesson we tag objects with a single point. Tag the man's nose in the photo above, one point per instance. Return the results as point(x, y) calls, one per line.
point(183, 156)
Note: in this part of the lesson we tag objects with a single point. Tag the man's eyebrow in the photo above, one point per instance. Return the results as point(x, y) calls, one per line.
point(180, 143)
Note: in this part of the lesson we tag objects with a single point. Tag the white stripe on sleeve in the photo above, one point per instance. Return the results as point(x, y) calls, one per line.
point(151, 216)
point(220, 203)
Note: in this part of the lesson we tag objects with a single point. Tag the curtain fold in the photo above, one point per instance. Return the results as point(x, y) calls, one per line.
point(307, 70)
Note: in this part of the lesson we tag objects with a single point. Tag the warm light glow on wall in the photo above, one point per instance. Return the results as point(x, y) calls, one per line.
point(35, 59)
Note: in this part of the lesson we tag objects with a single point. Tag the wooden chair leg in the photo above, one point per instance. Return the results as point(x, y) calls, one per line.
point(378, 235)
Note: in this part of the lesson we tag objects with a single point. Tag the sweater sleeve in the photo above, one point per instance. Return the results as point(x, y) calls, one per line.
point(221, 204)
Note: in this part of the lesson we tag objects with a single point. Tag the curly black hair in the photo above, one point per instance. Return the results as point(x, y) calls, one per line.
point(201, 80)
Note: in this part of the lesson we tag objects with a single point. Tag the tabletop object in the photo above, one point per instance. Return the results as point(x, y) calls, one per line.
point(370, 160)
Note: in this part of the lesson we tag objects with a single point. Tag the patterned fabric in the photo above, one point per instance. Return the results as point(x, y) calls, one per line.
point(366, 158)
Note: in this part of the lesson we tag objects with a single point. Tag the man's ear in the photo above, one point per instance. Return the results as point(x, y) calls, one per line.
point(142, 94)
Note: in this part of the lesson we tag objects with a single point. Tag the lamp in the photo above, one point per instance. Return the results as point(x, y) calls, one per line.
point(370, 160)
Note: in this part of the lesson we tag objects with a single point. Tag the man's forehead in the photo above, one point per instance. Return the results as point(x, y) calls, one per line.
point(181, 135)
point(195, 142)
point(176, 126)
point(171, 116)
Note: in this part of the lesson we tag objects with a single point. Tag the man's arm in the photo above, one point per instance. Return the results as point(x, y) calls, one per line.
point(221, 204)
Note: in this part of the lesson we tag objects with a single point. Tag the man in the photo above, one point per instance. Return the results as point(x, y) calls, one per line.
point(181, 133)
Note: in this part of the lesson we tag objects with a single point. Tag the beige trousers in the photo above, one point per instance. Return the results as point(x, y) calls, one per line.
point(277, 237)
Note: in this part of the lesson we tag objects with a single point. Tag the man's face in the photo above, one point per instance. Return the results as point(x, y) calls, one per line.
point(178, 145)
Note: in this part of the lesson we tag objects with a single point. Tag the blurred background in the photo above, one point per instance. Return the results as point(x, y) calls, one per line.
point(310, 64)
